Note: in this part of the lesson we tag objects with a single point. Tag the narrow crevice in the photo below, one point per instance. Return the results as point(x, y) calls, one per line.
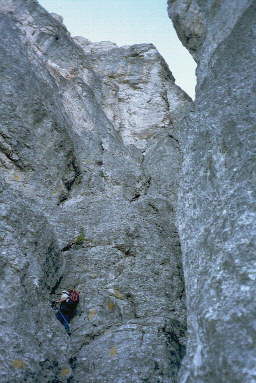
point(131, 301)
point(12, 156)
point(147, 185)
point(153, 207)
point(72, 177)
point(126, 250)
point(67, 247)
point(73, 174)
point(175, 139)
point(56, 286)
point(51, 266)
point(136, 196)
point(10, 153)
point(143, 190)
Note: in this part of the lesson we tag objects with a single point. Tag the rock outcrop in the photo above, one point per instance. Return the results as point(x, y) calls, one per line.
point(140, 96)
point(190, 23)
point(89, 163)
point(216, 215)
point(100, 155)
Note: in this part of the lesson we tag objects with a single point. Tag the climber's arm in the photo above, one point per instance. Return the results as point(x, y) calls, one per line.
point(61, 300)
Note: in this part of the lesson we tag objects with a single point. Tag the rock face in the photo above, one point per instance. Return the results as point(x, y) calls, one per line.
point(92, 137)
point(216, 212)
point(89, 163)
point(190, 23)
point(139, 93)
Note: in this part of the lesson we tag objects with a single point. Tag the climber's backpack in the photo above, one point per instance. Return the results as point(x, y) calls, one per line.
point(74, 296)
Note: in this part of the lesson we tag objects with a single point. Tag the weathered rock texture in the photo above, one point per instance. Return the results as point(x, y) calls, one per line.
point(217, 195)
point(190, 23)
point(89, 164)
point(139, 93)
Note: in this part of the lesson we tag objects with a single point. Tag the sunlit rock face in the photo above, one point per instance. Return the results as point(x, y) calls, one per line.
point(89, 163)
point(139, 93)
point(216, 212)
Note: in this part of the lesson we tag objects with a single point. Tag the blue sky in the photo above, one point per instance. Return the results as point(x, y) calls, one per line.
point(129, 22)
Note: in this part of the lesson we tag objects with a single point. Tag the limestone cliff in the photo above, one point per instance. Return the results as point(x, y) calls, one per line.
point(216, 215)
point(113, 182)
point(89, 164)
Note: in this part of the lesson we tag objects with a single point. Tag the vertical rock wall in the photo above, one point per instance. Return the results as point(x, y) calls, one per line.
point(89, 164)
point(217, 194)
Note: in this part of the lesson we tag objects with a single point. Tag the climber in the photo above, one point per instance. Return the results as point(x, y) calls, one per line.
point(68, 303)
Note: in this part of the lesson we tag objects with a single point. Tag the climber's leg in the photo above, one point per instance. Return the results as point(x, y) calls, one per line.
point(64, 321)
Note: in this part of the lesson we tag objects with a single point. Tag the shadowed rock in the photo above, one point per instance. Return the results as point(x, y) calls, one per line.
point(216, 212)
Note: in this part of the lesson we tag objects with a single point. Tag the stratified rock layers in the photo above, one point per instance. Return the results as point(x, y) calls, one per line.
point(217, 196)
point(89, 165)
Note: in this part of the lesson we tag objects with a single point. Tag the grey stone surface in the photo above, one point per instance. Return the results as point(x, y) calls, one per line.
point(216, 215)
point(190, 23)
point(87, 201)
point(139, 94)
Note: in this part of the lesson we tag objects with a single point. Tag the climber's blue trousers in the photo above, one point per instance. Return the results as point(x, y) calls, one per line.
point(64, 319)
